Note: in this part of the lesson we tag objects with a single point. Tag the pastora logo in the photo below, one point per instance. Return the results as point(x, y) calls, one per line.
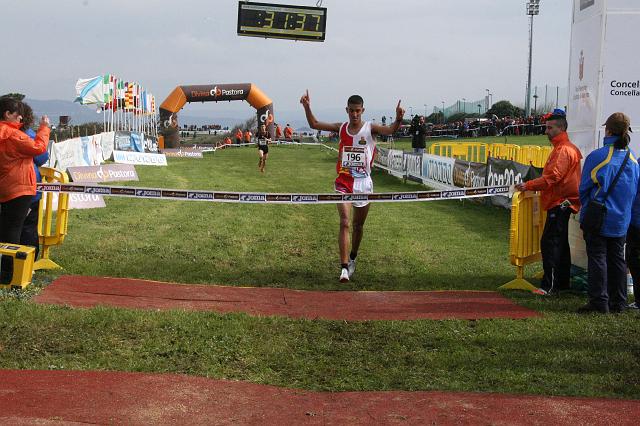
point(217, 92)
point(581, 65)
point(266, 118)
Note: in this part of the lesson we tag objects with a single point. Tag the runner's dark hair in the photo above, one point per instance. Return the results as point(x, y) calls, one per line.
point(355, 100)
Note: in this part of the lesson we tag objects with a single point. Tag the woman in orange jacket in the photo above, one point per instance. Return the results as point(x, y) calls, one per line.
point(17, 176)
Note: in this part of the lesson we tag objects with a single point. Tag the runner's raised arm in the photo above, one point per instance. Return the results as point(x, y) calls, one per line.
point(393, 127)
point(311, 119)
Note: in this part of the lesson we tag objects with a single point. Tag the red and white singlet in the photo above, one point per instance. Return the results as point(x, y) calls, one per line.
point(355, 158)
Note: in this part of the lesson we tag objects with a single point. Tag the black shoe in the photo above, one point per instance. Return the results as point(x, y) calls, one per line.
point(617, 309)
point(589, 309)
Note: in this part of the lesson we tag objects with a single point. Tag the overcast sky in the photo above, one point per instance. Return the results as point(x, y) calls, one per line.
point(420, 51)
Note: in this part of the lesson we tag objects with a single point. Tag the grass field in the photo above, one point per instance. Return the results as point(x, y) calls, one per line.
point(414, 246)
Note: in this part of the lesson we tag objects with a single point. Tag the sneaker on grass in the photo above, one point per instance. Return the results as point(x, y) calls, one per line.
point(540, 292)
point(351, 267)
point(344, 275)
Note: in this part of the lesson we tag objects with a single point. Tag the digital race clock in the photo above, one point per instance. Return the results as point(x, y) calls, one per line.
point(281, 21)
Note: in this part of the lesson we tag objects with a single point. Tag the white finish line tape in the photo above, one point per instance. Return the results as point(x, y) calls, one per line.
point(272, 198)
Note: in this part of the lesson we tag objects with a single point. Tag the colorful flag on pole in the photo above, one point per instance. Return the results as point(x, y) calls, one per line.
point(90, 91)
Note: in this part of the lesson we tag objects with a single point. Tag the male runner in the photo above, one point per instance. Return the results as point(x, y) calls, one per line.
point(355, 157)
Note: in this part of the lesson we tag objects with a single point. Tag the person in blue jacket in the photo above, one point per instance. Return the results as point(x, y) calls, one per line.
point(29, 235)
point(607, 269)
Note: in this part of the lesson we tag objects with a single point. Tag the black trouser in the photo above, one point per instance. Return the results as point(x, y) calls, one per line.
point(632, 255)
point(12, 216)
point(29, 236)
point(556, 254)
point(607, 272)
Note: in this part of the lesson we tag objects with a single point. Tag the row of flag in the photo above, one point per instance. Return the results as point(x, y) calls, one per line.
point(112, 93)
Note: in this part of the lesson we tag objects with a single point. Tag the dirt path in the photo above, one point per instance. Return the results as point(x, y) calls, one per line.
point(70, 397)
point(80, 291)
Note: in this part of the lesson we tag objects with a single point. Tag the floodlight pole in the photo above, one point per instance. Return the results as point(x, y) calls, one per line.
point(533, 8)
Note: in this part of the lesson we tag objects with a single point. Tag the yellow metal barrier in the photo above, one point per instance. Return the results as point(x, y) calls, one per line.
point(504, 151)
point(527, 224)
point(476, 152)
point(52, 232)
point(22, 264)
point(479, 152)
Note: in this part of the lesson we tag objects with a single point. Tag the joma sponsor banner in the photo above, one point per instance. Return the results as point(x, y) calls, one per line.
point(469, 175)
point(104, 173)
point(438, 171)
point(243, 197)
point(139, 158)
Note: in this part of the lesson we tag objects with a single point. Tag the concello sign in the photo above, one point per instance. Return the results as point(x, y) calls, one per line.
point(169, 127)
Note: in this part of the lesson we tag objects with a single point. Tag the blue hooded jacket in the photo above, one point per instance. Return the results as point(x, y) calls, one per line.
point(600, 168)
point(38, 161)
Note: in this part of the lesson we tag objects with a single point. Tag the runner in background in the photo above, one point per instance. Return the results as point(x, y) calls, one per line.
point(288, 133)
point(355, 157)
point(263, 146)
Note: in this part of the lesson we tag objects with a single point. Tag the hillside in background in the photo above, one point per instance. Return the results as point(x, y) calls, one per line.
point(81, 114)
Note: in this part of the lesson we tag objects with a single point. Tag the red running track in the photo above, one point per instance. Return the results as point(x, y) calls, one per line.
point(80, 397)
point(81, 291)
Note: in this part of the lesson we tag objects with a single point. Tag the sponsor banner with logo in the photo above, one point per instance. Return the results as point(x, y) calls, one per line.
point(382, 157)
point(104, 173)
point(395, 162)
point(263, 198)
point(621, 74)
point(106, 144)
point(139, 158)
point(82, 151)
point(467, 174)
point(508, 173)
point(129, 141)
point(413, 166)
point(437, 171)
point(183, 153)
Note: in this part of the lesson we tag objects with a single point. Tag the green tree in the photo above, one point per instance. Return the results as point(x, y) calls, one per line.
point(18, 96)
point(505, 108)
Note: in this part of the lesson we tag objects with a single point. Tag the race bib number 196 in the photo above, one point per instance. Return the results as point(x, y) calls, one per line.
point(353, 156)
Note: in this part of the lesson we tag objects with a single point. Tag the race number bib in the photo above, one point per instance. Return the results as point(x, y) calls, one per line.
point(353, 156)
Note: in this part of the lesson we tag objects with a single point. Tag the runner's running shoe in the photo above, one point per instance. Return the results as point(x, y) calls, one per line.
point(344, 275)
point(351, 267)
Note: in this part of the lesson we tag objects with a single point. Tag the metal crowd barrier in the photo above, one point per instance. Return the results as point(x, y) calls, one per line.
point(476, 152)
point(527, 224)
point(52, 222)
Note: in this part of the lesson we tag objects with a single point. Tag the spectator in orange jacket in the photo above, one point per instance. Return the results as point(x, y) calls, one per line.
point(560, 197)
point(247, 136)
point(278, 132)
point(227, 140)
point(17, 175)
point(288, 133)
point(238, 136)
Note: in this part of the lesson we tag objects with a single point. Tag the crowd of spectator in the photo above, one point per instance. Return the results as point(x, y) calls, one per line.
point(479, 127)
